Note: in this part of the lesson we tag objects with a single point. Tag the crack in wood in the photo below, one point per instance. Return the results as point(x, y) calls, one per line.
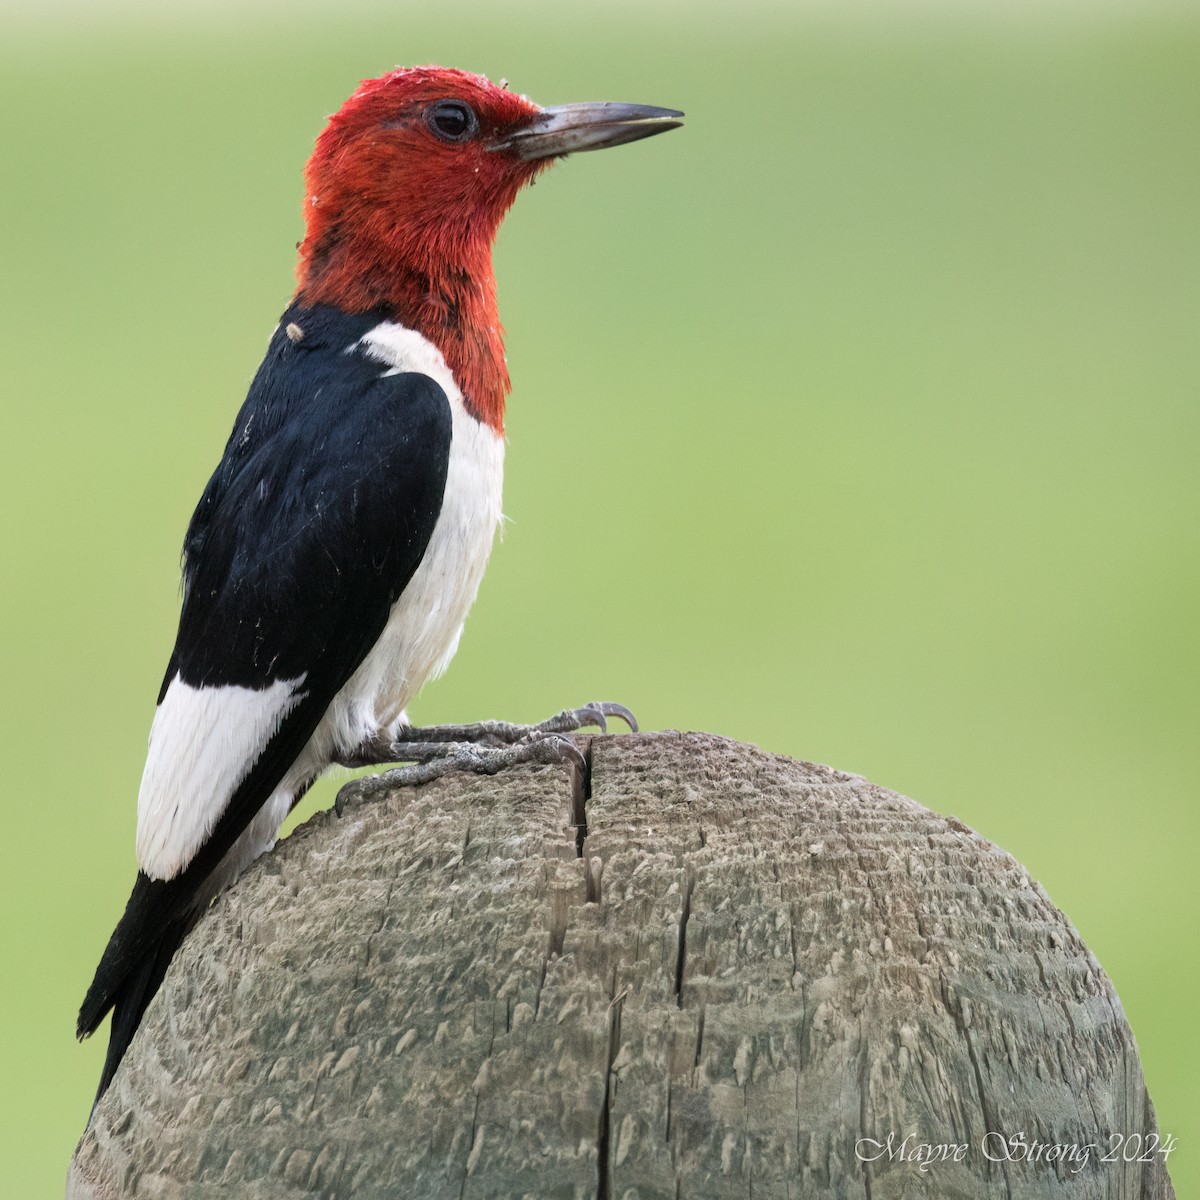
point(681, 952)
point(604, 1134)
point(581, 793)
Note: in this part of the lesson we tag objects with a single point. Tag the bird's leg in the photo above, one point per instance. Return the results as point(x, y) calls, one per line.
point(484, 748)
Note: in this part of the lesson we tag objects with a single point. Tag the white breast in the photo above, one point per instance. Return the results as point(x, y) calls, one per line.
point(427, 621)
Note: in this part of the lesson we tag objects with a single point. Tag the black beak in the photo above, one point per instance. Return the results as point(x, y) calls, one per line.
point(593, 125)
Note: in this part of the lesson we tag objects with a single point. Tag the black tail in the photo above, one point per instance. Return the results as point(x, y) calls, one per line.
point(132, 968)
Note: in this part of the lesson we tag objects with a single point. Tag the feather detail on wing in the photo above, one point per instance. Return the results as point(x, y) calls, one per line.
point(203, 743)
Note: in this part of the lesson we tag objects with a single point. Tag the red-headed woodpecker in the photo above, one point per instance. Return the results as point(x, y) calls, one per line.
point(332, 559)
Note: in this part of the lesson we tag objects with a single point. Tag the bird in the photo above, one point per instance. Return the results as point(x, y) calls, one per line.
point(333, 556)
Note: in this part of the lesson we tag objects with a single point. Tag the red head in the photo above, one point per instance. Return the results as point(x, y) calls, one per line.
point(405, 191)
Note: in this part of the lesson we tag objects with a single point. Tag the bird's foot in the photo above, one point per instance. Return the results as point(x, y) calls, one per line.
point(399, 746)
point(431, 760)
point(484, 748)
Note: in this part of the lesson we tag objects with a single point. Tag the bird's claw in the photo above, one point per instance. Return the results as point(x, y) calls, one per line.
point(611, 709)
point(553, 748)
point(596, 713)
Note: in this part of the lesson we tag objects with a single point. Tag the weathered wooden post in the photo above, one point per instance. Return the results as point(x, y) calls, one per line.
point(722, 973)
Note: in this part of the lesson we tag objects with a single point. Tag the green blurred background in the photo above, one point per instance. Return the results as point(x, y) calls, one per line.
point(858, 420)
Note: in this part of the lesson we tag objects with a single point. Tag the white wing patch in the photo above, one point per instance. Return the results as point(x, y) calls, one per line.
point(203, 743)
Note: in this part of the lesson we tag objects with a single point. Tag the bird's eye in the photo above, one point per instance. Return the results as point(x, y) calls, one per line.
point(451, 120)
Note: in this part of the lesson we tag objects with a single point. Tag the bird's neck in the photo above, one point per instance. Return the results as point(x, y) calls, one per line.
point(450, 300)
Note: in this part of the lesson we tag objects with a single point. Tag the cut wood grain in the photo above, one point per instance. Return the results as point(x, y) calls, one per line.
point(737, 979)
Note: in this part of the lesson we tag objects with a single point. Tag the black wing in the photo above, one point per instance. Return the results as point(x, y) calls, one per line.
point(318, 515)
